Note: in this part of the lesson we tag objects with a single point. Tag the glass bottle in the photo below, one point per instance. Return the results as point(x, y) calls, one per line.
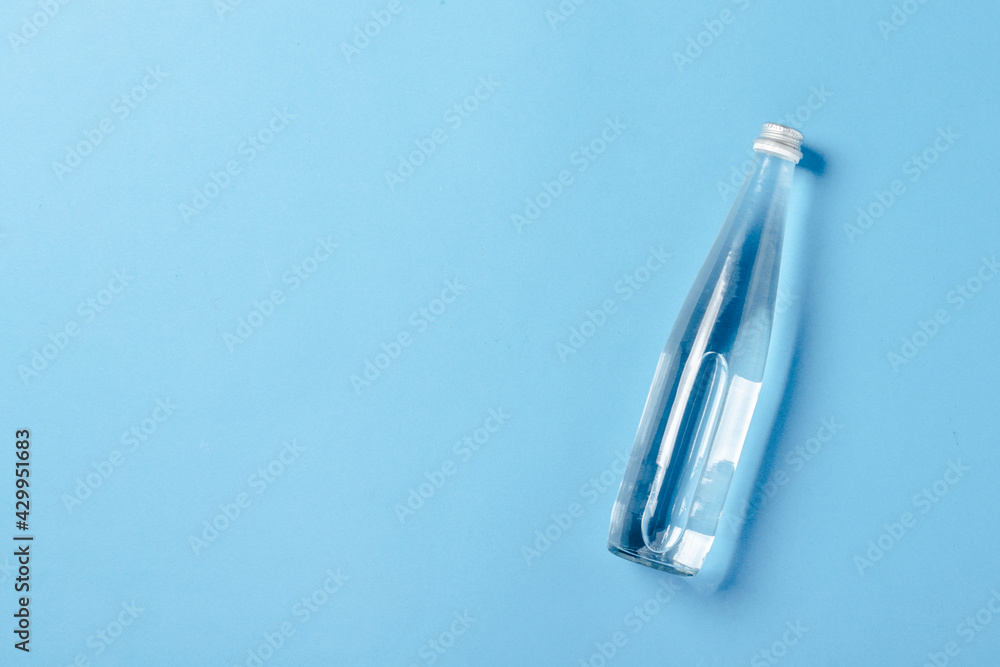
point(706, 383)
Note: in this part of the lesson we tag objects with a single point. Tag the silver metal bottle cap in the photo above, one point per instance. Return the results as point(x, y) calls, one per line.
point(779, 140)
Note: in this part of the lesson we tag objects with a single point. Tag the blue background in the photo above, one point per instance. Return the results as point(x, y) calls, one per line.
point(364, 449)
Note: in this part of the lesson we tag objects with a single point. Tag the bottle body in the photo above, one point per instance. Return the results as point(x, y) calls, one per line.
point(706, 384)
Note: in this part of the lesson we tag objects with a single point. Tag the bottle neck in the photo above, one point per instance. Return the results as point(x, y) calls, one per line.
point(766, 186)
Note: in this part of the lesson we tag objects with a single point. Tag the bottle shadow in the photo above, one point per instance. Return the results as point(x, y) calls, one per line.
point(742, 566)
point(812, 161)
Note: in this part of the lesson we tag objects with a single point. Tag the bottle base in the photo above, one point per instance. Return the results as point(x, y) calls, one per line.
point(642, 559)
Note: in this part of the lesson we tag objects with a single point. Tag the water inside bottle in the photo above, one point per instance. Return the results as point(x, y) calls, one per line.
point(695, 467)
point(707, 382)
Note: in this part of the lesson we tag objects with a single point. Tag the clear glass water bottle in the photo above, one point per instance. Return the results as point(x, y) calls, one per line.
point(708, 377)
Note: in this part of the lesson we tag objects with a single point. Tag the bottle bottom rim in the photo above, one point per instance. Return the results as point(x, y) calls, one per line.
point(635, 557)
